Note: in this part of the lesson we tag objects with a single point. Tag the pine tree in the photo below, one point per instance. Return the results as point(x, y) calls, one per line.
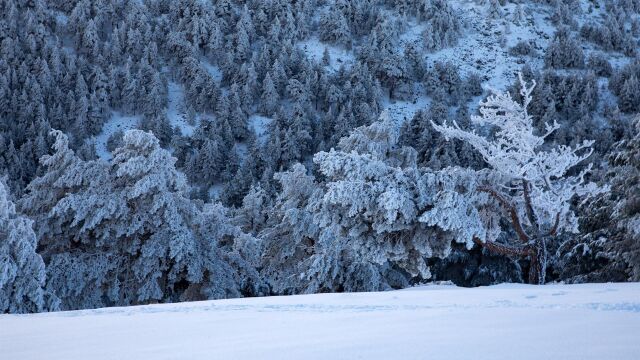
point(518, 15)
point(495, 11)
point(269, 96)
point(130, 219)
point(22, 271)
point(252, 215)
point(629, 100)
point(238, 119)
point(356, 230)
point(326, 58)
point(334, 27)
point(393, 71)
point(564, 52)
point(89, 43)
point(443, 26)
point(243, 46)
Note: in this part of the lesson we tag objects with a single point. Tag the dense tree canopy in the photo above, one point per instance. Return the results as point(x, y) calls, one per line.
point(209, 149)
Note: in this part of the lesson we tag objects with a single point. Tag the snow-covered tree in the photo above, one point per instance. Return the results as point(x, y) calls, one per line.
point(89, 42)
point(392, 71)
point(531, 182)
point(22, 271)
point(126, 232)
point(609, 250)
point(629, 99)
point(518, 15)
point(494, 11)
point(360, 229)
point(564, 52)
point(269, 96)
point(326, 57)
point(288, 239)
point(444, 24)
point(334, 27)
point(73, 65)
point(625, 84)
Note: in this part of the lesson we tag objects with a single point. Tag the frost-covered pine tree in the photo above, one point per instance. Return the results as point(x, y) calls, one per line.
point(326, 57)
point(494, 11)
point(22, 271)
point(518, 15)
point(629, 99)
point(269, 96)
point(126, 232)
point(609, 250)
point(288, 239)
point(564, 52)
point(392, 70)
point(360, 229)
point(444, 24)
point(334, 27)
point(527, 180)
point(89, 41)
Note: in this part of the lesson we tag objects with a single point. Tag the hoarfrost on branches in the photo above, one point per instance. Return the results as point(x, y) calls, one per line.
point(22, 271)
point(534, 183)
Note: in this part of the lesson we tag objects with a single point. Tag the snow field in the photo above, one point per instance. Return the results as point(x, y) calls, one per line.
point(587, 321)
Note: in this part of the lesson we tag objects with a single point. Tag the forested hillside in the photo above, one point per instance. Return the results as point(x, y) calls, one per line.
point(161, 151)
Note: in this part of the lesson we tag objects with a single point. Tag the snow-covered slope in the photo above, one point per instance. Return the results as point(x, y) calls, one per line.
point(117, 122)
point(589, 321)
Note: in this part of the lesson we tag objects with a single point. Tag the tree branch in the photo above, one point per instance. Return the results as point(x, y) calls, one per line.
point(502, 249)
point(528, 206)
point(554, 228)
point(515, 219)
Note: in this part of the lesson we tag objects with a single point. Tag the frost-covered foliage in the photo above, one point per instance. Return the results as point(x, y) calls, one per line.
point(612, 35)
point(444, 25)
point(605, 252)
point(432, 149)
point(237, 91)
point(290, 235)
point(22, 271)
point(334, 27)
point(571, 100)
point(125, 232)
point(625, 84)
point(359, 230)
point(564, 52)
point(625, 245)
point(531, 183)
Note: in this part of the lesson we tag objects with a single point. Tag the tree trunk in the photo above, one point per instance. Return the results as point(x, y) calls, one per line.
point(538, 256)
point(537, 253)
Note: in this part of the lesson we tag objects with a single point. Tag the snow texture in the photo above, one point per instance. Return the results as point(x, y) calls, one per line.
point(175, 112)
point(588, 321)
point(480, 50)
point(404, 110)
point(338, 56)
point(118, 122)
point(260, 125)
point(213, 70)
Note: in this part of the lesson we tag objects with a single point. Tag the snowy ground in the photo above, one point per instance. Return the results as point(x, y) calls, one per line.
point(213, 70)
point(175, 111)
point(260, 125)
point(338, 56)
point(590, 321)
point(479, 50)
point(117, 122)
point(404, 110)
